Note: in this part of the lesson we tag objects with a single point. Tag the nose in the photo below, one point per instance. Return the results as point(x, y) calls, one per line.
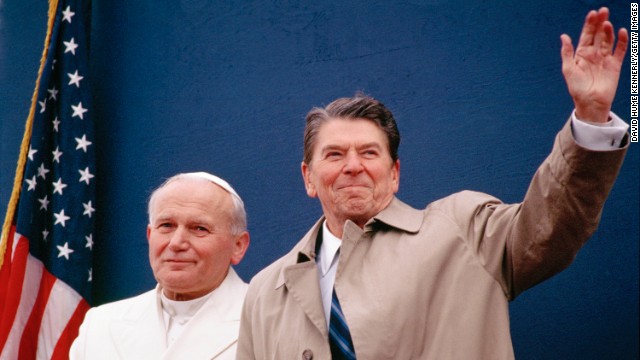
point(353, 163)
point(179, 239)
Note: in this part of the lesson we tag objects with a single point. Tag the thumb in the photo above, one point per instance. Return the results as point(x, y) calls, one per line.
point(566, 53)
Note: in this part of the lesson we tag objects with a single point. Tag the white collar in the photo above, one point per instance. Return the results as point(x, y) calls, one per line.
point(183, 309)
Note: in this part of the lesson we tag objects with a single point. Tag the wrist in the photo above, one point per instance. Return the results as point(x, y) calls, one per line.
point(593, 115)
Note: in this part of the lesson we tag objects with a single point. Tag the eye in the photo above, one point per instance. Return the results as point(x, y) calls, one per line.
point(165, 227)
point(333, 155)
point(370, 153)
point(200, 230)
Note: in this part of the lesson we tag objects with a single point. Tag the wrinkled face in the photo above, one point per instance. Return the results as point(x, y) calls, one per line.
point(190, 244)
point(351, 171)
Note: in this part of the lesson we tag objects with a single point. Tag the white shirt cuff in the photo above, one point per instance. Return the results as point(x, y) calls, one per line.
point(599, 136)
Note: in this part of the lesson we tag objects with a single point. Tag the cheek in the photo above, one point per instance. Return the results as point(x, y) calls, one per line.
point(328, 178)
point(153, 254)
point(156, 246)
point(217, 255)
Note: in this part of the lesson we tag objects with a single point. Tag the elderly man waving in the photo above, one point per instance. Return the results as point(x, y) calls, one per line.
point(377, 279)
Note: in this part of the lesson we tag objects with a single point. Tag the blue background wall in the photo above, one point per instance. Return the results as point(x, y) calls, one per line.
point(224, 87)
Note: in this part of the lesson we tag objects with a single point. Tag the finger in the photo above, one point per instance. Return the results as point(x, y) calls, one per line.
point(588, 29)
point(603, 14)
point(566, 53)
point(604, 38)
point(621, 47)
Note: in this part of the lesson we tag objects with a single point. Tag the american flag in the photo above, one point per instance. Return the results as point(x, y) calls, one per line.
point(47, 241)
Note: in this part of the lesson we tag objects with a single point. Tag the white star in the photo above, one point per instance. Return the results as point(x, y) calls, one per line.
point(44, 203)
point(43, 103)
point(42, 171)
point(45, 233)
point(67, 14)
point(90, 275)
point(31, 153)
point(32, 183)
point(61, 218)
point(75, 78)
point(78, 110)
point(89, 242)
point(56, 122)
point(53, 65)
point(58, 186)
point(88, 209)
point(53, 93)
point(56, 154)
point(70, 46)
point(85, 175)
point(64, 250)
point(83, 143)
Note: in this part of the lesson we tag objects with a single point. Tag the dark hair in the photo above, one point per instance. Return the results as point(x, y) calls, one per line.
point(358, 107)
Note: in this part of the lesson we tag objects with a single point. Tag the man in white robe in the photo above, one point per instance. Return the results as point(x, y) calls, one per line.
point(197, 230)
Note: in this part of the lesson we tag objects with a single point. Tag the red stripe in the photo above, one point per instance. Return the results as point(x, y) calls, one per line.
point(29, 339)
point(12, 277)
point(5, 269)
point(70, 332)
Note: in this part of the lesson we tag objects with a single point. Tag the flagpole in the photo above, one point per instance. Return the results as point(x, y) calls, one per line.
point(26, 139)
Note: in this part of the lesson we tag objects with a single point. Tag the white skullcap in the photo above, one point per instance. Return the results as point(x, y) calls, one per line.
point(214, 179)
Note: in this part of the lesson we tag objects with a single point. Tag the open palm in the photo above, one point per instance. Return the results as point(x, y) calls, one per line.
point(593, 70)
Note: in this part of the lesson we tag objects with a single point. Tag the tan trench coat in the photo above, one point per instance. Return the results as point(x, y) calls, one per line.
point(433, 283)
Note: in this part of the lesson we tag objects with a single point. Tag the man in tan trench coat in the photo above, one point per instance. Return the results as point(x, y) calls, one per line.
point(432, 283)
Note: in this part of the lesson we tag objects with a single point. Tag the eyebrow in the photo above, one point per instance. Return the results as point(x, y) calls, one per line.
point(162, 218)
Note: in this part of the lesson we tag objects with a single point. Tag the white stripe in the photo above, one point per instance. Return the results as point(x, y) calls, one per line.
point(30, 286)
point(62, 303)
point(16, 239)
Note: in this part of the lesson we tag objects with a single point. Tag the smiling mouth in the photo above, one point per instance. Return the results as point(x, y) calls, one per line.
point(174, 261)
point(352, 186)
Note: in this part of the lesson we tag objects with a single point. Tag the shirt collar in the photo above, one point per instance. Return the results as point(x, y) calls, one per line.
point(186, 308)
point(328, 249)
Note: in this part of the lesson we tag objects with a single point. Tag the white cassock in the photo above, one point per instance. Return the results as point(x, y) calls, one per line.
point(135, 328)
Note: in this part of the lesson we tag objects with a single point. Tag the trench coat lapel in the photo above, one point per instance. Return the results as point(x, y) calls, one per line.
point(301, 278)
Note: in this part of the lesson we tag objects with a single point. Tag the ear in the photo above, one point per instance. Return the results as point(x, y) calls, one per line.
point(308, 183)
point(148, 232)
point(395, 176)
point(240, 246)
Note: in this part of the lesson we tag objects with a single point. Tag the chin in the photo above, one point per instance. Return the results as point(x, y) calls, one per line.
point(358, 208)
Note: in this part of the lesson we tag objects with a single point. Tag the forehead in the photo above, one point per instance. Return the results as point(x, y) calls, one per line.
point(341, 131)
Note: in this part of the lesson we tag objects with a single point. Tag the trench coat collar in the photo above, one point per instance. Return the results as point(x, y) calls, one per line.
point(397, 214)
point(400, 216)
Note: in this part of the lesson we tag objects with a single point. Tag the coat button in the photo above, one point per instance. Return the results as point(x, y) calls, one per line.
point(307, 355)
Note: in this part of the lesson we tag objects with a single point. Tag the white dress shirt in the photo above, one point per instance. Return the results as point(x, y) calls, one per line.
point(599, 136)
point(327, 266)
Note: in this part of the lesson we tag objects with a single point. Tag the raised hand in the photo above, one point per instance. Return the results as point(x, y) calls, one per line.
point(592, 72)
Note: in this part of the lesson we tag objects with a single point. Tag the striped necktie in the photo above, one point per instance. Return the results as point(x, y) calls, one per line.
point(339, 336)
